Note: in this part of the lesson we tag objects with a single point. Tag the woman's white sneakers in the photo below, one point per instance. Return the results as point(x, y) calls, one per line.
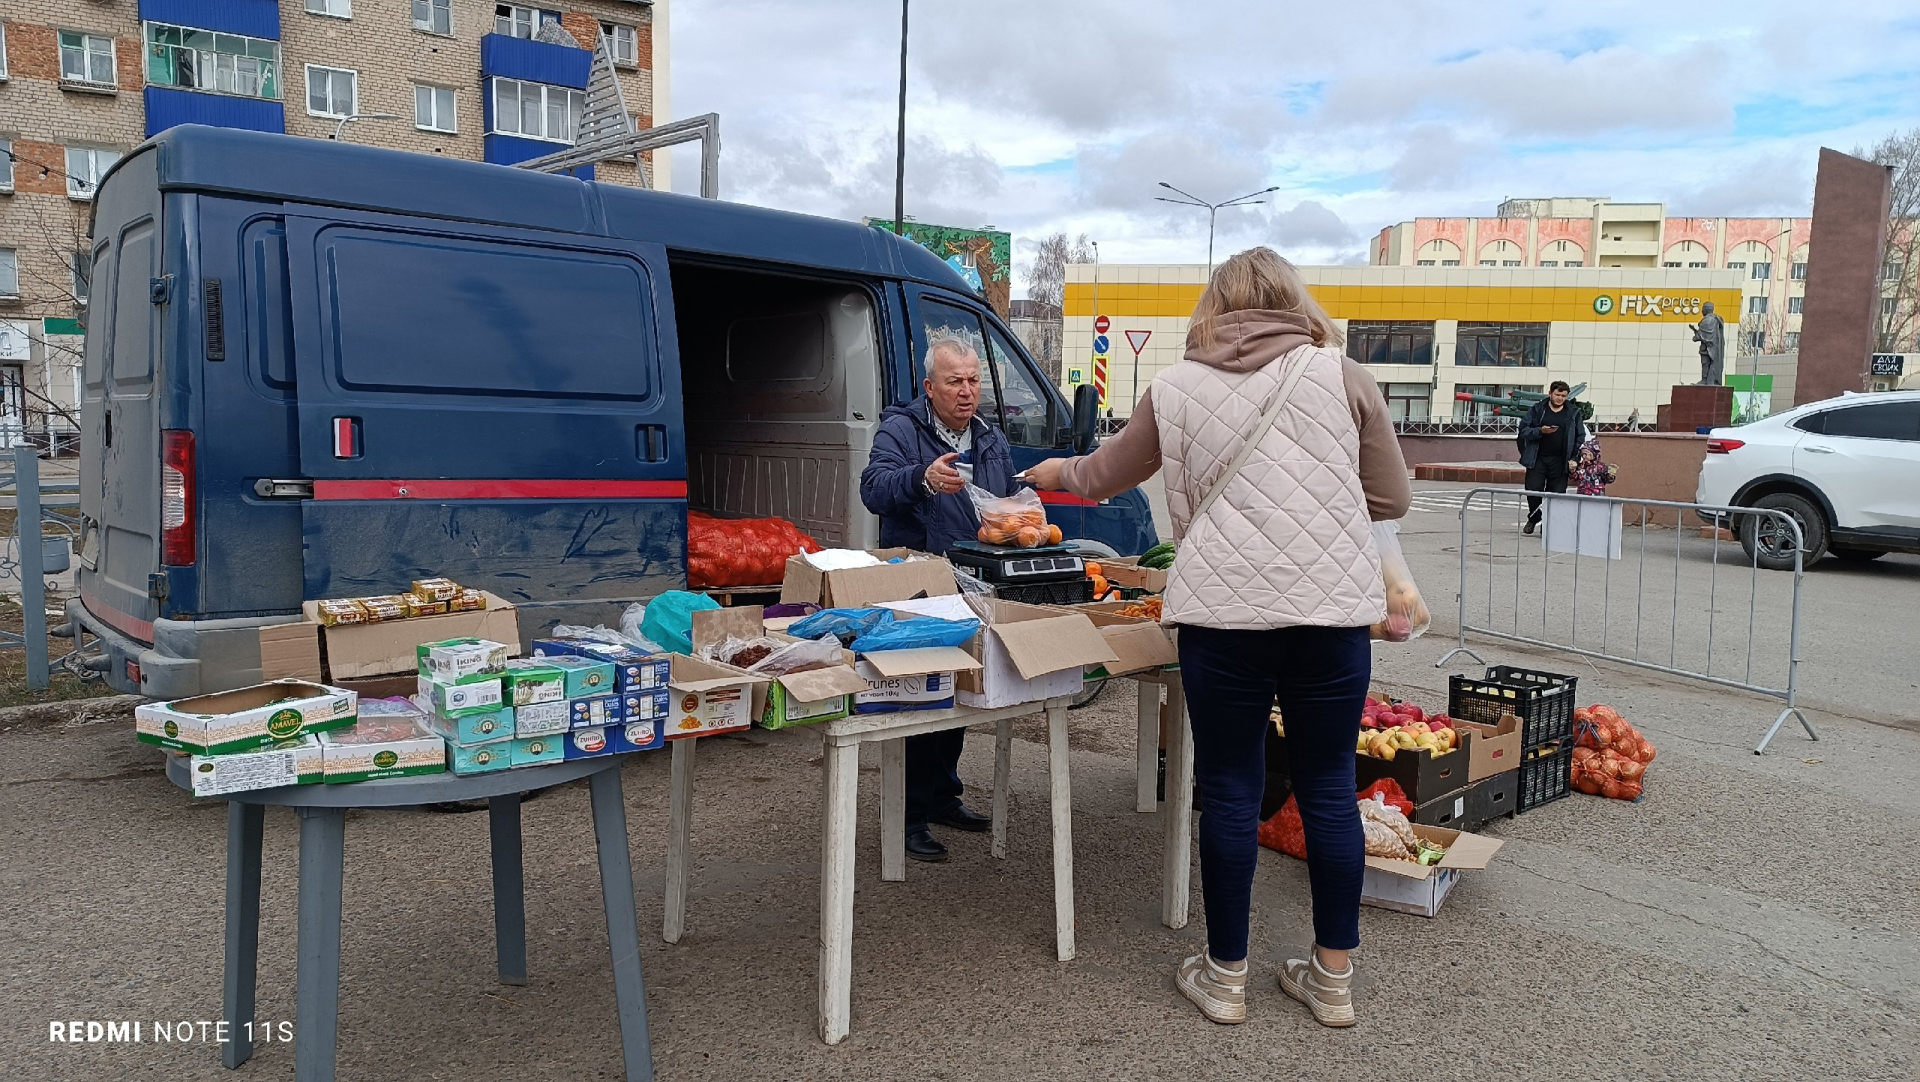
point(1219, 991)
point(1327, 994)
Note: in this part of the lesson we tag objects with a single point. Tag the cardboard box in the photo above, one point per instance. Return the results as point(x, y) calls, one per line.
point(290, 652)
point(480, 758)
point(473, 729)
point(1422, 775)
point(245, 718)
point(708, 698)
point(359, 650)
point(1126, 571)
point(910, 679)
point(541, 719)
point(461, 661)
point(1140, 644)
point(585, 675)
point(289, 762)
point(859, 587)
point(1494, 749)
point(588, 743)
point(817, 695)
point(453, 700)
point(388, 747)
point(637, 736)
point(594, 712)
point(535, 750)
point(1406, 887)
point(530, 681)
point(1030, 654)
point(632, 670)
point(645, 705)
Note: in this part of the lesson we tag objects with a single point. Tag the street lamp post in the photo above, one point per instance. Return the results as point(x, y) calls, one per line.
point(1213, 209)
point(900, 146)
point(346, 120)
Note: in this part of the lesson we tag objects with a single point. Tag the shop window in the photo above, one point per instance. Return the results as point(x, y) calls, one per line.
point(1390, 342)
point(1408, 401)
point(1501, 345)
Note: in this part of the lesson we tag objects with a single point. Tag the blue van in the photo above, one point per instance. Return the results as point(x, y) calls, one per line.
point(321, 370)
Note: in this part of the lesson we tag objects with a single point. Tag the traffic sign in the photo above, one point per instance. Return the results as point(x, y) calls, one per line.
point(1100, 343)
point(1100, 324)
point(1138, 340)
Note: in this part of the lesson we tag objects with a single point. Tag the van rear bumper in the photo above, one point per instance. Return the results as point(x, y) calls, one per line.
point(187, 657)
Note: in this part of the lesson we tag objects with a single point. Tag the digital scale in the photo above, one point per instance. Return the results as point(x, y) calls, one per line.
point(999, 565)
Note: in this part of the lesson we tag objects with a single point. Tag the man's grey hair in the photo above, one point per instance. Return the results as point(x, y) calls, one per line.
point(949, 343)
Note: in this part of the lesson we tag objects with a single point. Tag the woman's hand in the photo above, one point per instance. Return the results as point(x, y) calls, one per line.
point(1045, 474)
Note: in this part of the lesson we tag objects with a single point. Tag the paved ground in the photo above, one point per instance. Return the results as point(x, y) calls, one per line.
point(1751, 919)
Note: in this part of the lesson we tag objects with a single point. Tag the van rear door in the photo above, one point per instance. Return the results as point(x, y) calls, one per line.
point(498, 406)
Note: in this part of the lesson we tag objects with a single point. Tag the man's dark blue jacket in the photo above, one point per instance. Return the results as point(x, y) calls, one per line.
point(894, 486)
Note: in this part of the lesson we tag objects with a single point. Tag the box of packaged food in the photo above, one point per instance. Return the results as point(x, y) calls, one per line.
point(453, 700)
point(366, 648)
point(587, 743)
point(708, 698)
point(475, 728)
point(480, 758)
point(645, 705)
point(533, 680)
point(585, 675)
point(632, 670)
point(462, 661)
point(535, 750)
point(289, 762)
point(388, 607)
point(436, 589)
point(244, 718)
point(382, 746)
point(815, 695)
point(910, 679)
point(637, 736)
point(541, 719)
point(594, 711)
point(340, 612)
point(467, 601)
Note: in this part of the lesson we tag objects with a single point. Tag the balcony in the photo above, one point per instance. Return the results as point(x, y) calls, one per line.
point(509, 57)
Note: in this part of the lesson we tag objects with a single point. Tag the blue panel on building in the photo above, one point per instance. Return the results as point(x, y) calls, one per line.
point(512, 150)
point(254, 18)
point(534, 61)
point(167, 108)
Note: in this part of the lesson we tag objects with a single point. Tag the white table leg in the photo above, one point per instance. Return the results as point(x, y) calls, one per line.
point(1146, 776)
point(893, 810)
point(1178, 854)
point(1061, 798)
point(1002, 781)
point(840, 769)
point(679, 838)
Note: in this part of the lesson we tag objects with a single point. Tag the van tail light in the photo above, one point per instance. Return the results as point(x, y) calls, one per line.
point(1724, 447)
point(176, 498)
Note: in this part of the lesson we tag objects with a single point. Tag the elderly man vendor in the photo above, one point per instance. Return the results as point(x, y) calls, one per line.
point(924, 454)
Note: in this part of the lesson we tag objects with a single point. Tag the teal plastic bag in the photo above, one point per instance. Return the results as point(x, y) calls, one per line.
point(669, 619)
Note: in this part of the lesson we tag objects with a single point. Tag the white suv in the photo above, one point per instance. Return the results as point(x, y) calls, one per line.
point(1847, 470)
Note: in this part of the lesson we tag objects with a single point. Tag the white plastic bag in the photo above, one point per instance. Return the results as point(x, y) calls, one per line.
point(1407, 616)
point(803, 656)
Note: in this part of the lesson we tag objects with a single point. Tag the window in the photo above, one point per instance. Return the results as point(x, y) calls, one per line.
point(1549, 262)
point(1736, 266)
point(1423, 262)
point(1501, 345)
point(6, 165)
point(1408, 401)
point(1880, 421)
point(1756, 341)
point(433, 109)
point(623, 42)
point(86, 58)
point(3, 51)
point(1798, 272)
point(1702, 265)
point(1888, 305)
point(1388, 342)
point(1795, 305)
point(332, 91)
point(1675, 263)
point(1574, 263)
point(1489, 262)
point(339, 9)
point(81, 264)
point(1891, 270)
point(1449, 262)
point(536, 110)
point(1763, 271)
point(203, 60)
point(85, 167)
point(1793, 340)
point(516, 21)
point(1027, 411)
point(9, 273)
point(433, 16)
point(1756, 306)
point(1509, 262)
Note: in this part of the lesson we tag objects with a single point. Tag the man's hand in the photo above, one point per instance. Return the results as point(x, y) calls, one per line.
point(942, 477)
point(1045, 474)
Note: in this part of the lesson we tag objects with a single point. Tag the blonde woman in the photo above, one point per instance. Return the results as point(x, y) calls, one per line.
point(1278, 452)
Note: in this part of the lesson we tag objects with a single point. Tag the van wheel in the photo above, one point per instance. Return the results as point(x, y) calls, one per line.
point(1857, 556)
point(1771, 546)
point(1091, 550)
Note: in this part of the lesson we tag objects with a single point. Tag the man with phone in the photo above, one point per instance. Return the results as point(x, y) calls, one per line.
point(1550, 439)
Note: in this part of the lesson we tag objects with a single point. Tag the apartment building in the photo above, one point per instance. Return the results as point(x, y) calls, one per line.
point(83, 81)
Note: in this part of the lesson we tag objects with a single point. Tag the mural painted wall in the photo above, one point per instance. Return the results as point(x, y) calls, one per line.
point(981, 256)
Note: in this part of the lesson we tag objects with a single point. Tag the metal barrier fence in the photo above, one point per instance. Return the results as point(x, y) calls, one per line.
point(1639, 617)
point(39, 545)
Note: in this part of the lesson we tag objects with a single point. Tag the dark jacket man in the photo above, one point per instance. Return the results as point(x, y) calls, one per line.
point(1546, 454)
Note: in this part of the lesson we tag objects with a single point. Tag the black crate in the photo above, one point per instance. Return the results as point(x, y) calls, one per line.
point(1493, 798)
point(1544, 776)
point(1070, 592)
point(1454, 811)
point(1543, 702)
point(1421, 774)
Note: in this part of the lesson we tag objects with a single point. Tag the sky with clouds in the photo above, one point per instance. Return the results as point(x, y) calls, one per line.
point(1036, 116)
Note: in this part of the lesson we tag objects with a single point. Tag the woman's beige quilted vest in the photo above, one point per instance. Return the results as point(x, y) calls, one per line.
point(1288, 542)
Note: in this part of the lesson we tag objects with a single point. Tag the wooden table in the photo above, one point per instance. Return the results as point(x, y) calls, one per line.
point(323, 816)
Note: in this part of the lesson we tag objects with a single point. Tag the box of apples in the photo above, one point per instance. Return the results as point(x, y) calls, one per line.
point(1399, 740)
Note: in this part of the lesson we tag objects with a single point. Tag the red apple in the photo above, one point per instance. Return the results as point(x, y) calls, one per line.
point(1412, 711)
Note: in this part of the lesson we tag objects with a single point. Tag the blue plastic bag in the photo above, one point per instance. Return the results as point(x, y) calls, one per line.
point(917, 634)
point(669, 619)
point(844, 624)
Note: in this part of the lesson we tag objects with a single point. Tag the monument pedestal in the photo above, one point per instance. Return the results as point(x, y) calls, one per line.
point(1693, 407)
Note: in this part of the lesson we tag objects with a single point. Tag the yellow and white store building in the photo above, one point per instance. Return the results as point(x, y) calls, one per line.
point(1427, 332)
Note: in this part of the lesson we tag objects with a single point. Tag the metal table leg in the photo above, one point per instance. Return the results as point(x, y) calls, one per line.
point(679, 838)
point(840, 769)
point(893, 810)
point(509, 888)
point(317, 982)
point(623, 926)
point(1061, 799)
point(1177, 857)
point(243, 929)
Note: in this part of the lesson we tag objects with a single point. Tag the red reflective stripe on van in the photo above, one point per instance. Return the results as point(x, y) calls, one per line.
point(1067, 499)
point(114, 618)
point(499, 490)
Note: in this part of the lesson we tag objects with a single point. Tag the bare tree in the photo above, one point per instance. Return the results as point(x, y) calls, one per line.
point(1047, 289)
point(55, 280)
point(1900, 320)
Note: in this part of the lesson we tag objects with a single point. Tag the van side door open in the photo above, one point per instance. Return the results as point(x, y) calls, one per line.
point(500, 406)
